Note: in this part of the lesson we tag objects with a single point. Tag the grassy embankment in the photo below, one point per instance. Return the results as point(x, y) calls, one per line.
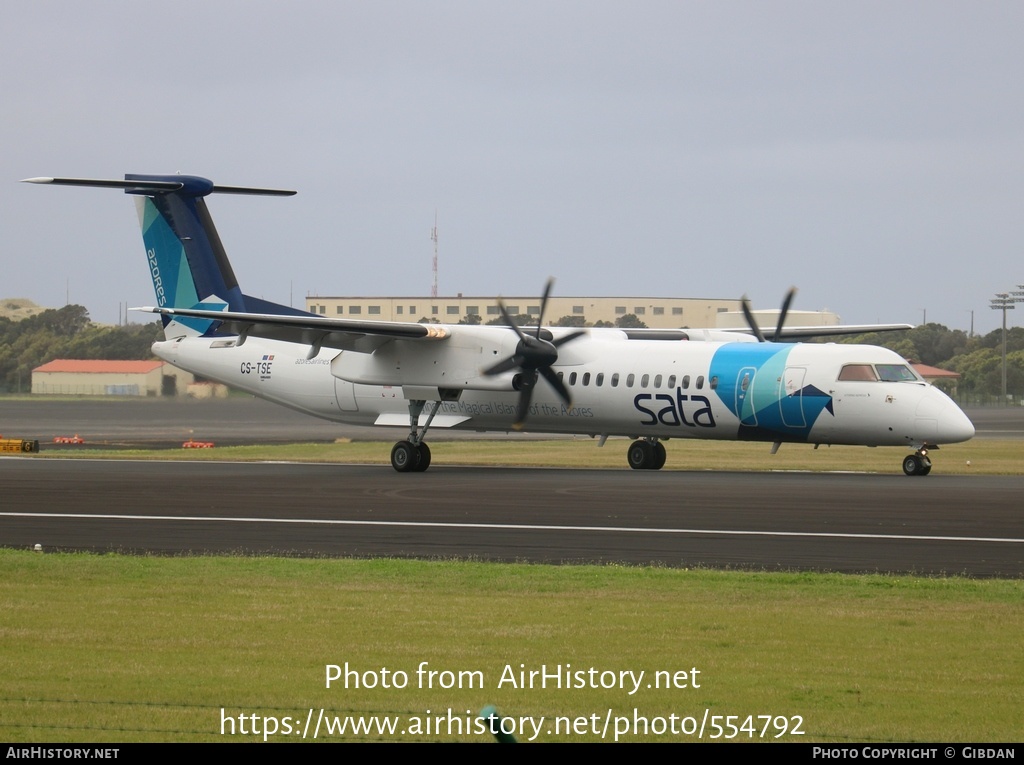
point(115, 648)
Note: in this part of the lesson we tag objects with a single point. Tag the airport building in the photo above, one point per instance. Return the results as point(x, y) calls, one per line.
point(660, 313)
point(99, 377)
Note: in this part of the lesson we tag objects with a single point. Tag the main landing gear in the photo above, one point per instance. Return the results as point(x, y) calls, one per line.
point(917, 463)
point(646, 454)
point(407, 457)
point(413, 455)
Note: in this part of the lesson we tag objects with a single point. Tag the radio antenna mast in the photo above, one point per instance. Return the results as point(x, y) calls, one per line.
point(433, 238)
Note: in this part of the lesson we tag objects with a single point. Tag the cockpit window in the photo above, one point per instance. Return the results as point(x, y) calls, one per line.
point(896, 373)
point(858, 373)
point(876, 372)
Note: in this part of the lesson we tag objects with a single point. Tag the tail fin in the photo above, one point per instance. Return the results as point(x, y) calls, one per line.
point(186, 259)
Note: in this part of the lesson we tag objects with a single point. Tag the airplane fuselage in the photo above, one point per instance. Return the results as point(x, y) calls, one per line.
point(649, 385)
point(619, 387)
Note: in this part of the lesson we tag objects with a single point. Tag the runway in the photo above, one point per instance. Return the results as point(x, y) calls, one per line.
point(969, 525)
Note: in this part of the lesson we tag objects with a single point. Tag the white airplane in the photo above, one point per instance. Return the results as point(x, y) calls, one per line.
point(648, 385)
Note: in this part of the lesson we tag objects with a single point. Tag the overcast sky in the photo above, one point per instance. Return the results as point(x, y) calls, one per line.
point(870, 153)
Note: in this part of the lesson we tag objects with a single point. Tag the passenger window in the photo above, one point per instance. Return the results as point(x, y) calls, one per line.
point(657, 381)
point(671, 381)
point(644, 380)
point(615, 380)
point(572, 378)
point(713, 382)
point(700, 381)
point(599, 381)
point(686, 381)
point(746, 382)
point(586, 378)
point(629, 380)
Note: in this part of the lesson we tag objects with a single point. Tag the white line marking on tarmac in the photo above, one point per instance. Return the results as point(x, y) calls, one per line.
point(511, 527)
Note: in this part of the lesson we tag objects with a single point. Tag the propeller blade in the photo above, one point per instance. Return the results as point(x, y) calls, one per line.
point(526, 385)
point(782, 314)
point(557, 384)
point(512, 362)
point(566, 338)
point(508, 319)
point(534, 356)
point(751, 322)
point(544, 304)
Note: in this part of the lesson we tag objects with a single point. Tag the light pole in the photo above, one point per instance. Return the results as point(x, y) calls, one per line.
point(1004, 302)
point(1018, 297)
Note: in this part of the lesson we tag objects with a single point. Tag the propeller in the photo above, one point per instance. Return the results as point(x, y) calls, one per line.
point(752, 323)
point(533, 358)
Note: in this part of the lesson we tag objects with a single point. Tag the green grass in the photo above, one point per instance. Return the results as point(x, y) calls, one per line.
point(116, 648)
point(113, 648)
point(979, 457)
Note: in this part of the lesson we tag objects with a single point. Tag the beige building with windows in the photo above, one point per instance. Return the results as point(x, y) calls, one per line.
point(660, 313)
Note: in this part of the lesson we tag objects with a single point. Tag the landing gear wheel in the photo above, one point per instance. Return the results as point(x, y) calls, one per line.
point(424, 457)
point(404, 457)
point(917, 464)
point(659, 456)
point(640, 455)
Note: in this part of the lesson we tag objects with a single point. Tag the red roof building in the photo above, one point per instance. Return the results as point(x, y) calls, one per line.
point(107, 377)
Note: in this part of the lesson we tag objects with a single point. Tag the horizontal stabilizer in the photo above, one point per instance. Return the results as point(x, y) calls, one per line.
point(163, 184)
point(157, 186)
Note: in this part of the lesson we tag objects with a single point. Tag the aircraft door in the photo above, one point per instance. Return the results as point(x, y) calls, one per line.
point(345, 392)
point(791, 399)
point(745, 396)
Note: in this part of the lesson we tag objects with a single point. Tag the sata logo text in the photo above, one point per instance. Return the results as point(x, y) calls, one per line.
point(675, 411)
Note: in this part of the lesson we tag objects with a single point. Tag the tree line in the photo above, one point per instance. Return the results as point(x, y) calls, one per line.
point(66, 333)
point(978, 359)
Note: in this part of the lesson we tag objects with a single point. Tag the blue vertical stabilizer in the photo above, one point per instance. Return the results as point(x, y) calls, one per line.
point(187, 261)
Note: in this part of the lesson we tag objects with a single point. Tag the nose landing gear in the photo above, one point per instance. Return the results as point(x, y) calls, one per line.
point(917, 463)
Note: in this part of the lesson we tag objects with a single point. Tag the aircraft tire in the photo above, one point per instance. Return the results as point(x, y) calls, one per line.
point(659, 456)
point(913, 464)
point(424, 457)
point(640, 455)
point(404, 457)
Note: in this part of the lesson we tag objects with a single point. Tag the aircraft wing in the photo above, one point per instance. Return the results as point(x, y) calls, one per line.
point(727, 334)
point(835, 330)
point(314, 331)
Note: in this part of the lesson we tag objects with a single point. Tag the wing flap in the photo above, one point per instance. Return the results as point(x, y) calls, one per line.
point(402, 420)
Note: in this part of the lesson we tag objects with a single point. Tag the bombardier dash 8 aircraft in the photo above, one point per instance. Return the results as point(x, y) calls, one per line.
point(648, 385)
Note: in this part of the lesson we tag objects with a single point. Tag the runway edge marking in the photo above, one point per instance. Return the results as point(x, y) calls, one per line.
point(510, 527)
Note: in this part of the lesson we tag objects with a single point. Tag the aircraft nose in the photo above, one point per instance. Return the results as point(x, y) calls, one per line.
point(952, 425)
point(959, 428)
